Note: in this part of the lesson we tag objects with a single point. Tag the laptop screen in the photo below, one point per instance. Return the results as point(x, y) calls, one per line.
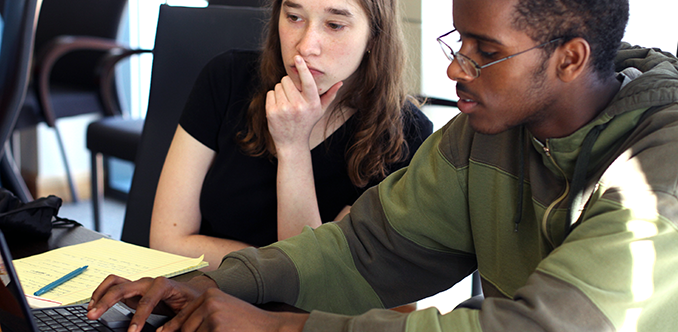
point(14, 311)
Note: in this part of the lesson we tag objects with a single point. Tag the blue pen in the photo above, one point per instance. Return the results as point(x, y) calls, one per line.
point(60, 281)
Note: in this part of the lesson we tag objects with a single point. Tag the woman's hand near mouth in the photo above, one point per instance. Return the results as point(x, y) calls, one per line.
point(292, 113)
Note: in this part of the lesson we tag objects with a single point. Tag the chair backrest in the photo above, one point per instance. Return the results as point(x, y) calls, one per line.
point(186, 39)
point(16, 49)
point(73, 77)
point(100, 18)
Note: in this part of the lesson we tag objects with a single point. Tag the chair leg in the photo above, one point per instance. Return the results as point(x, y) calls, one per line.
point(15, 182)
point(97, 185)
point(74, 194)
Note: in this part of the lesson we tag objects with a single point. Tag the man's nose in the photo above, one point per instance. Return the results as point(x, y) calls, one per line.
point(456, 73)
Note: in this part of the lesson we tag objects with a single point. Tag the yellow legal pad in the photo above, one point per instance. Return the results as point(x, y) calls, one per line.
point(104, 257)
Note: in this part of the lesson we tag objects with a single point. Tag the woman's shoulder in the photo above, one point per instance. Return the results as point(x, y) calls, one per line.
point(220, 95)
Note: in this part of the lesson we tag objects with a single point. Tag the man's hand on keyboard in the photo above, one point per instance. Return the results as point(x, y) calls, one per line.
point(147, 295)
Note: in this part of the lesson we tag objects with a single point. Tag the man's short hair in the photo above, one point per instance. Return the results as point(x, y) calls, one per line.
point(600, 22)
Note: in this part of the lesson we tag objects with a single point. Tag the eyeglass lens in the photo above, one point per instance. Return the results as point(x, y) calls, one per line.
point(451, 44)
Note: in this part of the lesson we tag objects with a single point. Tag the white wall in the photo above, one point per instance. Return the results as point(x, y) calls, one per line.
point(653, 23)
point(436, 20)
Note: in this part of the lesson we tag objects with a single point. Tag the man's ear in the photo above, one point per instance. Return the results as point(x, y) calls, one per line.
point(573, 59)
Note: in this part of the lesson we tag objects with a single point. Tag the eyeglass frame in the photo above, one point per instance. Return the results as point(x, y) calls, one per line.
point(478, 67)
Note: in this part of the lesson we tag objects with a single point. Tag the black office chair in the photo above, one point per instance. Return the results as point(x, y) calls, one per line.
point(16, 50)
point(186, 39)
point(119, 137)
point(111, 136)
point(75, 53)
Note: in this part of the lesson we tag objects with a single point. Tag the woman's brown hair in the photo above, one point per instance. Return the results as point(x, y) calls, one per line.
point(378, 96)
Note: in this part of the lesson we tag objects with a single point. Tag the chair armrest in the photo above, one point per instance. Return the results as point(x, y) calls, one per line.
point(426, 100)
point(62, 45)
point(106, 70)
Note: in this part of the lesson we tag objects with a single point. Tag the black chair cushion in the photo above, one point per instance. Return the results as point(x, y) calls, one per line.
point(66, 101)
point(127, 133)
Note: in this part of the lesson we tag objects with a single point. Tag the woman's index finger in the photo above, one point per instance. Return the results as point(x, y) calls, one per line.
point(307, 81)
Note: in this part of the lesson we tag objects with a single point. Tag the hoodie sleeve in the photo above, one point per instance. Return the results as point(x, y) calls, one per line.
point(354, 265)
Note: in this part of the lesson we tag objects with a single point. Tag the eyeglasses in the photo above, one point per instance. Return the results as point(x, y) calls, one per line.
point(468, 65)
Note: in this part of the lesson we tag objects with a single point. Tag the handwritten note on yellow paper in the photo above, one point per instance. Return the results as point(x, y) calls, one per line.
point(104, 257)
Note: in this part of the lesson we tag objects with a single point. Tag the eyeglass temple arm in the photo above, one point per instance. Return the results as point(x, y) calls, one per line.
point(519, 53)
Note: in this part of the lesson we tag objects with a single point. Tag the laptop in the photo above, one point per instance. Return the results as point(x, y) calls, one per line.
point(17, 316)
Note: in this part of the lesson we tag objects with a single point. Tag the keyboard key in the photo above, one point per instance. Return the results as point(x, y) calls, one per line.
point(67, 319)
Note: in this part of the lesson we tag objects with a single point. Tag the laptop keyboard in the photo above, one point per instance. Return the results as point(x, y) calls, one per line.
point(67, 319)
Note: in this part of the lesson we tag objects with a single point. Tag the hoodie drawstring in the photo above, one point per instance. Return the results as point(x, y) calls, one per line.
point(579, 178)
point(521, 179)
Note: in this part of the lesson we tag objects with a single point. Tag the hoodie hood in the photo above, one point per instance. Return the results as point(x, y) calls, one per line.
point(650, 79)
point(656, 86)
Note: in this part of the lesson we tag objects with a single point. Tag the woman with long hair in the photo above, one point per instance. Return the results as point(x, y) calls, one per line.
point(274, 140)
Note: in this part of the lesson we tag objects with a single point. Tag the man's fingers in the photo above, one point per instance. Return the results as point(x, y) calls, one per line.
point(179, 322)
point(109, 293)
point(110, 281)
point(149, 300)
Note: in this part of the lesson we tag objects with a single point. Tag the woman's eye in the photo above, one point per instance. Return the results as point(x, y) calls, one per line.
point(335, 26)
point(293, 18)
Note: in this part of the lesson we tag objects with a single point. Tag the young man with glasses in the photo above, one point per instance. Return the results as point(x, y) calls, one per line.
point(557, 182)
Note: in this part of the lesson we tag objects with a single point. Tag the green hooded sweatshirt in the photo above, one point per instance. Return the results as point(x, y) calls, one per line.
point(559, 246)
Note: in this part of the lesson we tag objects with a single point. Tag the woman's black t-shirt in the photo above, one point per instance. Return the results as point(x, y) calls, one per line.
point(238, 198)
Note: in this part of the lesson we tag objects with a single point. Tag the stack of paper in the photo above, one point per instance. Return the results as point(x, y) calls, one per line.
point(104, 257)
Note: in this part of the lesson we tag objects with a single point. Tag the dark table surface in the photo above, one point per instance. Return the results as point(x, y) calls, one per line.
point(60, 237)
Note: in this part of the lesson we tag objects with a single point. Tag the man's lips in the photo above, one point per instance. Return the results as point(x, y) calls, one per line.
point(466, 101)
